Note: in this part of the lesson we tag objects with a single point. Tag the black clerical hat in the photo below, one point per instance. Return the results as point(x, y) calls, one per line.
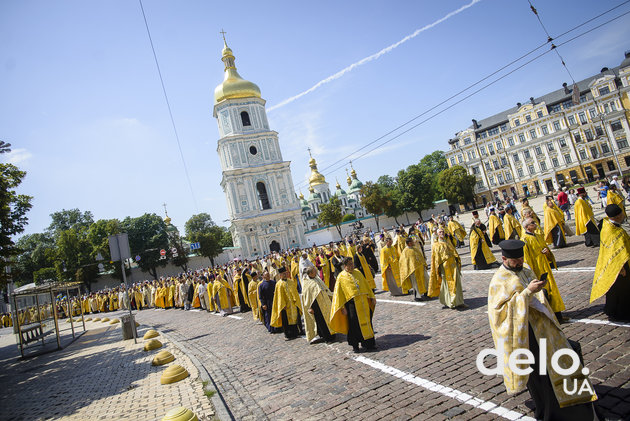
point(512, 249)
point(282, 269)
point(613, 210)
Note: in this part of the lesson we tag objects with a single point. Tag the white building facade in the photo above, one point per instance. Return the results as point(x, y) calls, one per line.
point(263, 208)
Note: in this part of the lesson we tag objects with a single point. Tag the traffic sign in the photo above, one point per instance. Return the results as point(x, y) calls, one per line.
point(162, 252)
point(195, 246)
point(137, 258)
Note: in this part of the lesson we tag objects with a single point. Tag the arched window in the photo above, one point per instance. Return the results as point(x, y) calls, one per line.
point(263, 198)
point(245, 119)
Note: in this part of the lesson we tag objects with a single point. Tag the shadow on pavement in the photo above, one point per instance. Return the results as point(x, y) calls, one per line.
point(584, 313)
point(391, 341)
point(475, 302)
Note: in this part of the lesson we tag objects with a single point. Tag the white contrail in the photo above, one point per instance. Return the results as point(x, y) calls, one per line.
point(372, 57)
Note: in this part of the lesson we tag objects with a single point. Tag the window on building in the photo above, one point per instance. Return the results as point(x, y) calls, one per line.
point(583, 154)
point(588, 134)
point(245, 119)
point(517, 122)
point(577, 137)
point(504, 127)
point(544, 129)
point(567, 158)
point(582, 117)
point(550, 146)
point(475, 170)
point(611, 165)
point(263, 198)
point(467, 141)
point(488, 167)
point(604, 90)
point(526, 154)
point(571, 120)
point(539, 114)
point(627, 159)
point(556, 125)
point(484, 135)
point(530, 169)
point(515, 157)
point(555, 108)
point(528, 118)
point(483, 150)
point(480, 184)
point(622, 143)
point(496, 164)
point(503, 161)
point(460, 158)
point(491, 180)
point(508, 176)
point(599, 131)
point(499, 145)
point(520, 173)
point(493, 131)
point(605, 148)
point(594, 152)
point(532, 134)
point(538, 150)
point(511, 141)
point(613, 106)
point(473, 154)
point(616, 125)
point(554, 162)
point(469, 156)
point(521, 138)
point(592, 112)
point(606, 108)
point(543, 165)
point(452, 161)
point(491, 149)
point(500, 178)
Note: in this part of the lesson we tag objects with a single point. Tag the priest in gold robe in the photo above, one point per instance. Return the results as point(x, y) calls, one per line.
point(540, 260)
point(495, 228)
point(389, 269)
point(286, 309)
point(316, 302)
point(480, 254)
point(222, 295)
point(520, 316)
point(360, 262)
point(413, 269)
point(457, 230)
point(585, 222)
point(526, 207)
point(554, 224)
point(511, 226)
point(446, 274)
point(352, 308)
point(252, 295)
point(612, 273)
point(615, 197)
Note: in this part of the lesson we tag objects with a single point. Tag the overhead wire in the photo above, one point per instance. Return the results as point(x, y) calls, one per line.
point(170, 112)
point(328, 170)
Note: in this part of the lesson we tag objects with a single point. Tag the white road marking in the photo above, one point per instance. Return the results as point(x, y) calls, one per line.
point(599, 322)
point(229, 315)
point(446, 391)
point(411, 303)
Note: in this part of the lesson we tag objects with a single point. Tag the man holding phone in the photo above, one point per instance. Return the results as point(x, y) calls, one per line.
point(540, 259)
point(520, 317)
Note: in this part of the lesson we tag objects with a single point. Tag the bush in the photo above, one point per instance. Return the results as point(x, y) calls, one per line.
point(348, 217)
point(44, 275)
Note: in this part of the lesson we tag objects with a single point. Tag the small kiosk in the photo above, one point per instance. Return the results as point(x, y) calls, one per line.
point(37, 313)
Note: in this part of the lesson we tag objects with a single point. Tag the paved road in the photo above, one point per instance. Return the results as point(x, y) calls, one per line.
point(424, 369)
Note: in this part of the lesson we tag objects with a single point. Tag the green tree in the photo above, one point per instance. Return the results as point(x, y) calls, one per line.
point(73, 256)
point(13, 209)
point(331, 214)
point(416, 185)
point(98, 236)
point(434, 163)
point(211, 238)
point(374, 200)
point(44, 275)
point(393, 203)
point(70, 219)
point(348, 217)
point(147, 236)
point(458, 186)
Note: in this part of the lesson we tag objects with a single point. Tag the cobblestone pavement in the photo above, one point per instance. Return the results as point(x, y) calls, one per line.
point(425, 365)
point(98, 377)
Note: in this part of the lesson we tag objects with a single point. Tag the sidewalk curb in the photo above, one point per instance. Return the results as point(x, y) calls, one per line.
point(223, 413)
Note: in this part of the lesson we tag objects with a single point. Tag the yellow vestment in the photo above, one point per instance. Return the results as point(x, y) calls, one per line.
point(313, 289)
point(389, 258)
point(412, 261)
point(478, 239)
point(540, 263)
point(614, 252)
point(494, 223)
point(510, 225)
point(352, 286)
point(553, 216)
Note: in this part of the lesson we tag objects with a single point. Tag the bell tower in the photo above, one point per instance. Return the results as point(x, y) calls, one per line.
point(263, 208)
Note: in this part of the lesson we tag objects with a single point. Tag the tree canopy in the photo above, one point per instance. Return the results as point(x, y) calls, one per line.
point(331, 214)
point(457, 185)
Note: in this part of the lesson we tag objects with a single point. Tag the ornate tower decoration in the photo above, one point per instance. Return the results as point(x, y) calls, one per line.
point(264, 211)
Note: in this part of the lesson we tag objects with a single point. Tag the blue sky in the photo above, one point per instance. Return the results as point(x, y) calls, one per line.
point(81, 101)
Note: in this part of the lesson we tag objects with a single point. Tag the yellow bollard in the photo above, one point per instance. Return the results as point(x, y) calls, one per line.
point(162, 357)
point(180, 414)
point(173, 373)
point(152, 344)
point(151, 334)
point(105, 319)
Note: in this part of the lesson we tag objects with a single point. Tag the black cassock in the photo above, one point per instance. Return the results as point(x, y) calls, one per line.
point(266, 290)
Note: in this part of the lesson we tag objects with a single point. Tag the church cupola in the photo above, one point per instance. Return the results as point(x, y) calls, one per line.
point(233, 86)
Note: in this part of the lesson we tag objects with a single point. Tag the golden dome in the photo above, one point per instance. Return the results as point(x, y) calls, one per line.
point(338, 185)
point(316, 177)
point(233, 86)
point(167, 220)
point(301, 196)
